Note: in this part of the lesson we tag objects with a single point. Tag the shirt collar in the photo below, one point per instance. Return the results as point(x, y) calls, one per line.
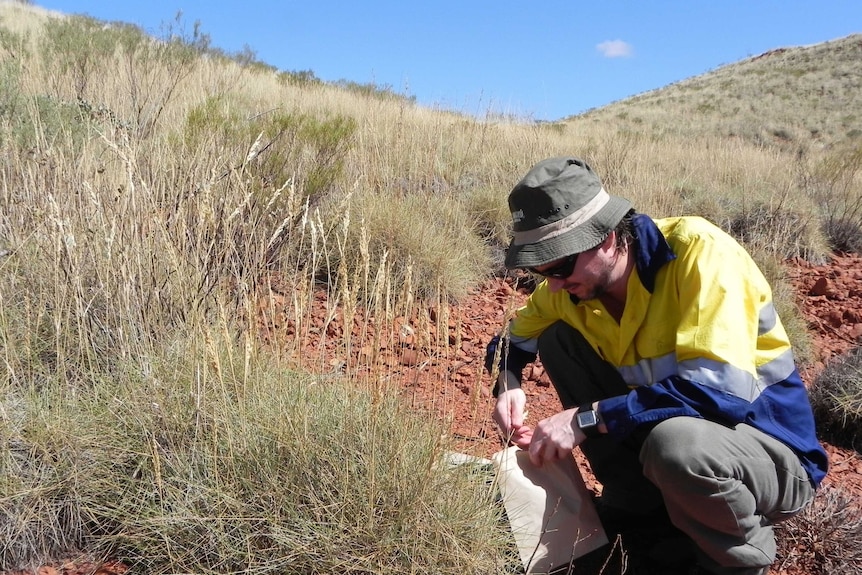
point(651, 250)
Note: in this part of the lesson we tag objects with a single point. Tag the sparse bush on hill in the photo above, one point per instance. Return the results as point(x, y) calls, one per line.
point(82, 51)
point(302, 78)
point(11, 100)
point(370, 90)
point(782, 99)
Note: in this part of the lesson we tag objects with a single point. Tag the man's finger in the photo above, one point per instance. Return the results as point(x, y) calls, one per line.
point(517, 416)
point(522, 437)
point(539, 451)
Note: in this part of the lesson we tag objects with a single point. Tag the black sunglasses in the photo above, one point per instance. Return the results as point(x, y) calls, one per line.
point(560, 271)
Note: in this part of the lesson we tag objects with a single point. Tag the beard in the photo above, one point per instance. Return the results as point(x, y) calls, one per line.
point(596, 288)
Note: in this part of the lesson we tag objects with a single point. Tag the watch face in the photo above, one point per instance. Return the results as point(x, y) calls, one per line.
point(587, 419)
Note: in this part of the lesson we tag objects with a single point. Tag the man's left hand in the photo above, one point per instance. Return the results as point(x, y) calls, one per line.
point(555, 437)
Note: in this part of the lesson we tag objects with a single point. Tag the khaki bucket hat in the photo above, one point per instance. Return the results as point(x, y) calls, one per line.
point(558, 209)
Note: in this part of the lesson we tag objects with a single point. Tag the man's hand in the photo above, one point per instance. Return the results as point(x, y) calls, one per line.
point(509, 415)
point(555, 437)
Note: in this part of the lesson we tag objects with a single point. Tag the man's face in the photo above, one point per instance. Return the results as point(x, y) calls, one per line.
point(590, 276)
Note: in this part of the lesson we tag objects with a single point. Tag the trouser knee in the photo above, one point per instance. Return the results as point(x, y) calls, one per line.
point(673, 452)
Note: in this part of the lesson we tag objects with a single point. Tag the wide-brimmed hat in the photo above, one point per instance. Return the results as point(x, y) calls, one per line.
point(558, 209)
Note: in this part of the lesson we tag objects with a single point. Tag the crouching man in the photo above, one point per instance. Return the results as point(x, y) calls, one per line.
point(675, 374)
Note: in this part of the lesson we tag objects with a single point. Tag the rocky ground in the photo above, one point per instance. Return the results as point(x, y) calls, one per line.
point(435, 359)
point(830, 297)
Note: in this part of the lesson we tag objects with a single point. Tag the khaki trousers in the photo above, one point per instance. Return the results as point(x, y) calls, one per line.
point(722, 486)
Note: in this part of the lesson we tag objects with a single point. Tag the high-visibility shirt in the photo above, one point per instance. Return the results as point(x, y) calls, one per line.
point(699, 336)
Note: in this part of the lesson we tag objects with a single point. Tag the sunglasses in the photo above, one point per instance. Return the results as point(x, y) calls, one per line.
point(560, 271)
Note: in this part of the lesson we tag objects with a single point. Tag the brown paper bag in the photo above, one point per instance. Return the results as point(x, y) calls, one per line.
point(549, 508)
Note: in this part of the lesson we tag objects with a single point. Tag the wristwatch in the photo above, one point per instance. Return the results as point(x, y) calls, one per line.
point(588, 420)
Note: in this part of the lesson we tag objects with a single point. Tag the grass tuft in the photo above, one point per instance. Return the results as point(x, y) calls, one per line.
point(225, 471)
point(836, 397)
point(824, 537)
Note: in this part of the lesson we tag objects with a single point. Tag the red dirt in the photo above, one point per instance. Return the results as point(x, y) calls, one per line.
point(830, 297)
point(435, 357)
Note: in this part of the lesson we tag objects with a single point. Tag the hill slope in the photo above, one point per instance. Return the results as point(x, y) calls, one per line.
point(789, 96)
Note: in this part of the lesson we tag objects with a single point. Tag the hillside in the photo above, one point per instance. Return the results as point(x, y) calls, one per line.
point(792, 97)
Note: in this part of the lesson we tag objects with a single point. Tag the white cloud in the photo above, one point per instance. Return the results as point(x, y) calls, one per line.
point(615, 49)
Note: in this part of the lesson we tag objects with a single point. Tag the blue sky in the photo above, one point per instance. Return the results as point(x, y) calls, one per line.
point(543, 60)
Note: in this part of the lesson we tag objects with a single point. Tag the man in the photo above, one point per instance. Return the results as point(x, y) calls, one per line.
point(676, 376)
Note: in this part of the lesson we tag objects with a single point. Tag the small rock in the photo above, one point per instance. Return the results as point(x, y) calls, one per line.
point(536, 372)
point(853, 316)
point(822, 287)
point(835, 318)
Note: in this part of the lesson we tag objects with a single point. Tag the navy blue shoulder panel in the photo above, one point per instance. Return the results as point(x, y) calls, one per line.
point(652, 251)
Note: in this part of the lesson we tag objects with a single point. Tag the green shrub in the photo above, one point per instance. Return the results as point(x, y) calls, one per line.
point(278, 146)
point(251, 215)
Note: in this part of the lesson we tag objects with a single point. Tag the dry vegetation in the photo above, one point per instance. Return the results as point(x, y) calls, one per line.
point(797, 98)
point(156, 193)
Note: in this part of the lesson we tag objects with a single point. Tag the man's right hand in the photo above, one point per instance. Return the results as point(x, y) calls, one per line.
point(509, 415)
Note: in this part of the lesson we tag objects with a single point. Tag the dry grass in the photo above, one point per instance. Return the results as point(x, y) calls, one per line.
point(798, 98)
point(824, 538)
point(213, 463)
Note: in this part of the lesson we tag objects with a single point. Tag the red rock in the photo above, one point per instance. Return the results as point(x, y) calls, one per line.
point(853, 315)
point(835, 318)
point(821, 287)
